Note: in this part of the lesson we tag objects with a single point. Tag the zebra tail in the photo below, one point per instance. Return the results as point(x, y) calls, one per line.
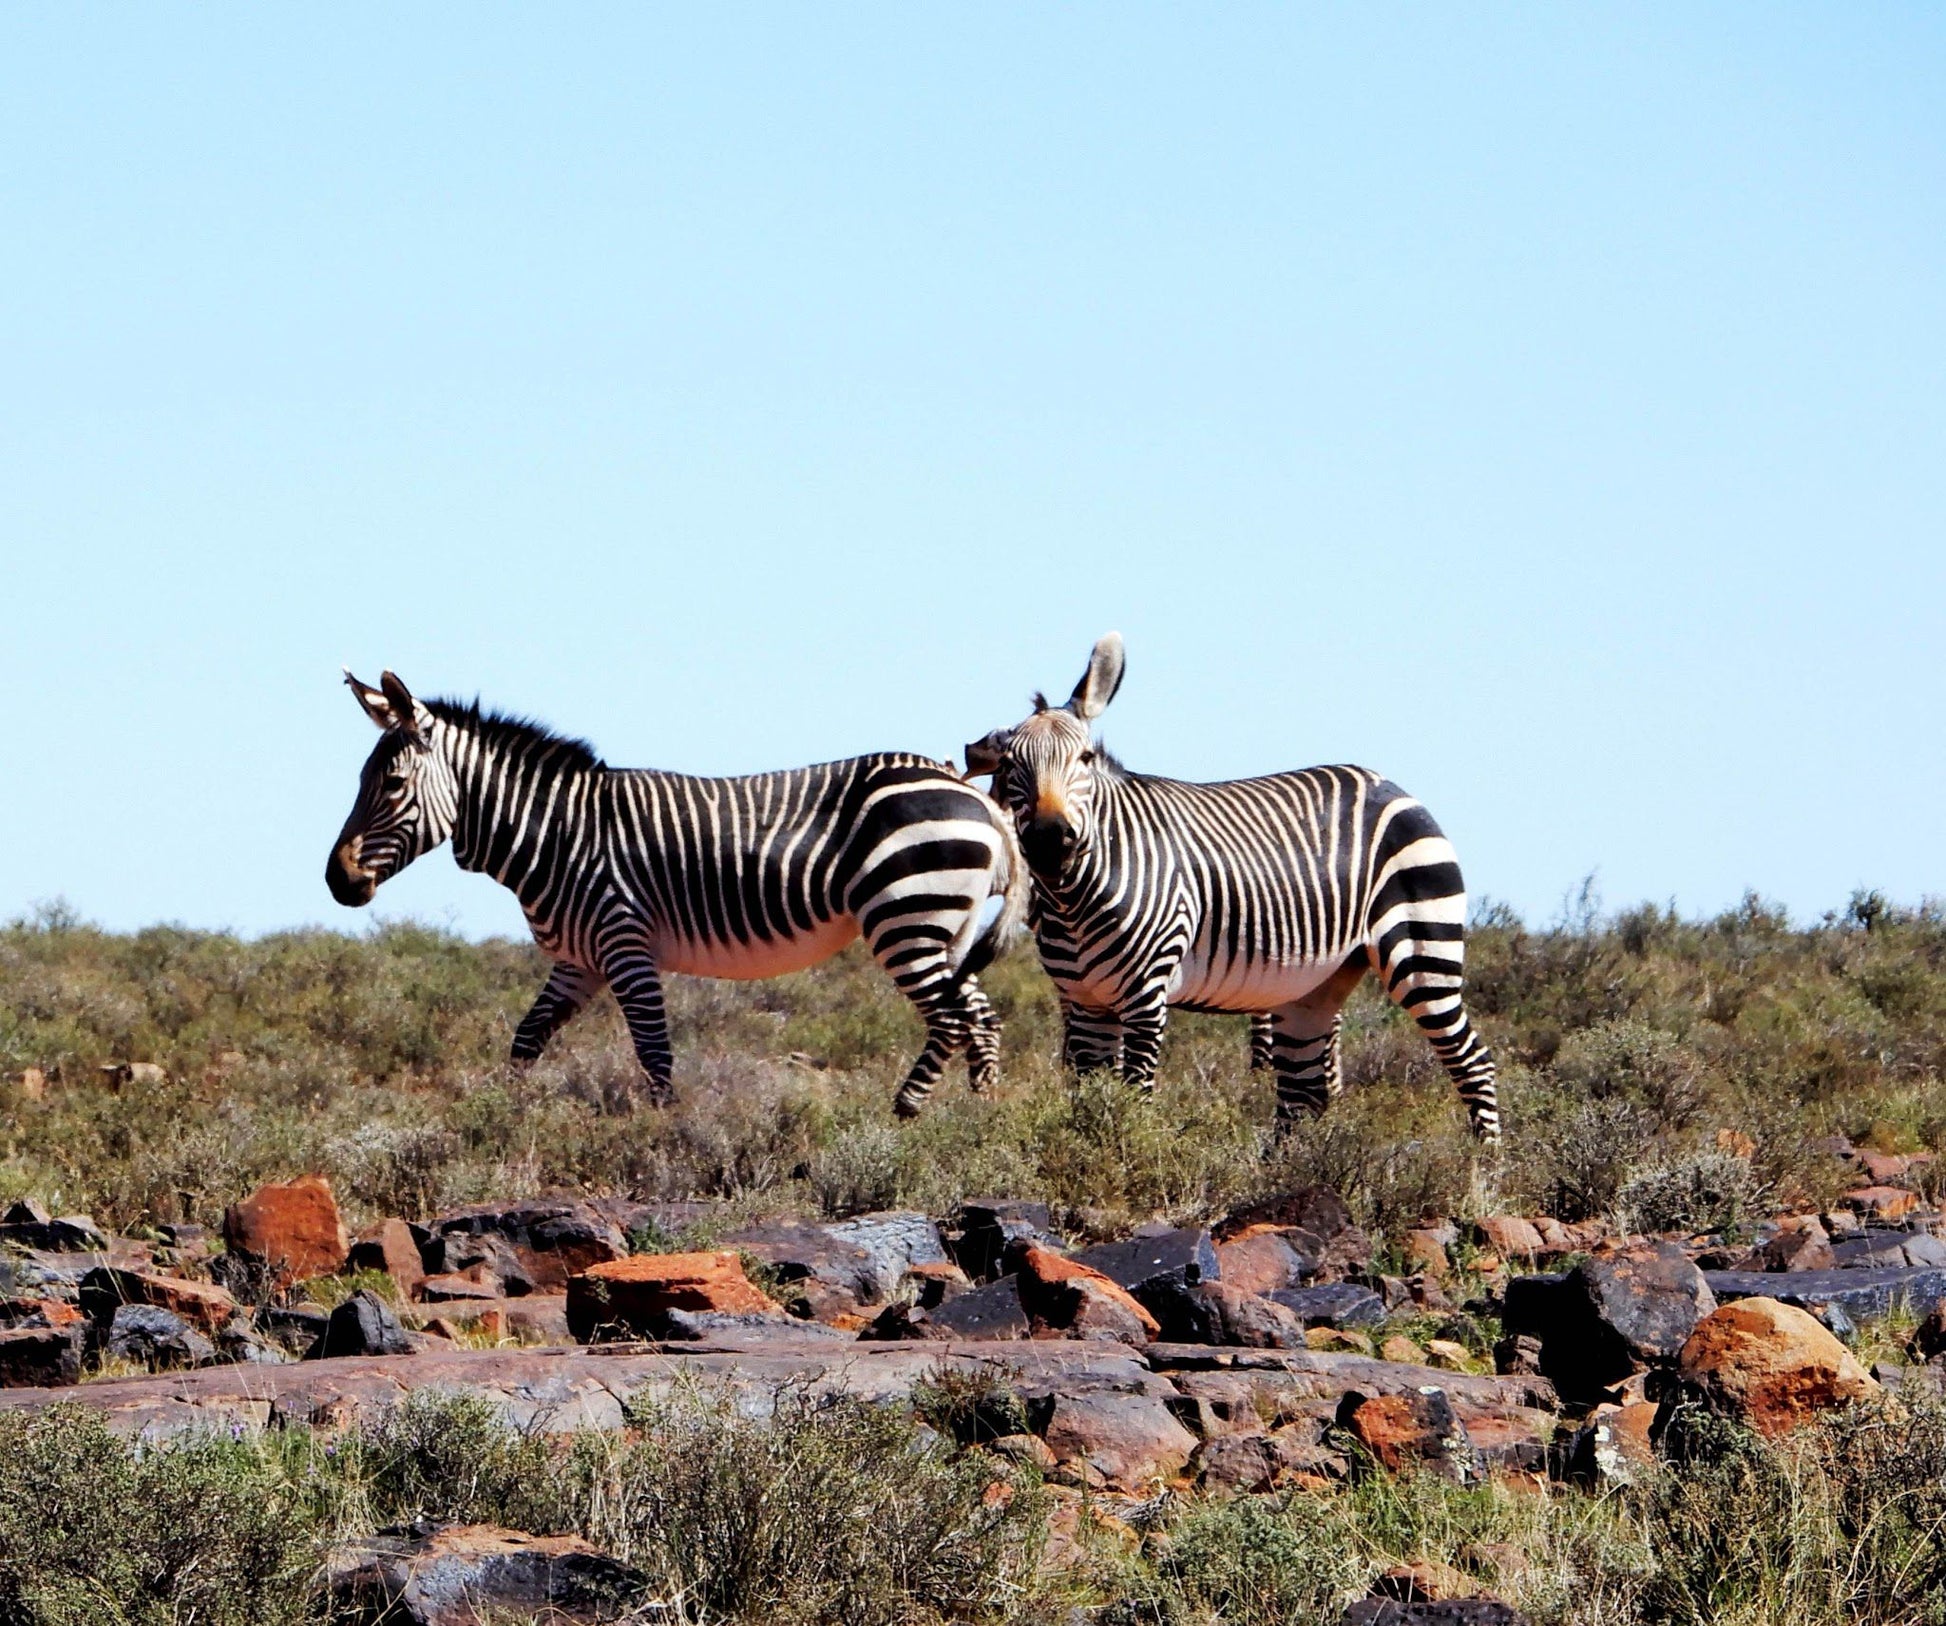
point(1016, 885)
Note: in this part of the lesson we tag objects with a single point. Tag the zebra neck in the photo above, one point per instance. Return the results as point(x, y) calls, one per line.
point(520, 811)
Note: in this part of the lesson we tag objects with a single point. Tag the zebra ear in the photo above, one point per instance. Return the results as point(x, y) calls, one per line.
point(984, 754)
point(1099, 683)
point(372, 700)
point(407, 710)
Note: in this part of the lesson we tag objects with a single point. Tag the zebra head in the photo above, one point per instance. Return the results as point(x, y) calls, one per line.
point(407, 795)
point(1044, 769)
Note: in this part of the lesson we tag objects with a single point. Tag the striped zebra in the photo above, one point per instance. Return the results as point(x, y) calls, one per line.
point(1258, 895)
point(625, 874)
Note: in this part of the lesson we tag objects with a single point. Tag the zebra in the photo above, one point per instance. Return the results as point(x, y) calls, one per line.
point(625, 874)
point(1255, 895)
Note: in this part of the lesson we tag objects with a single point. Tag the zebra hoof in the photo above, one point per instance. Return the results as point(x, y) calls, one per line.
point(903, 1108)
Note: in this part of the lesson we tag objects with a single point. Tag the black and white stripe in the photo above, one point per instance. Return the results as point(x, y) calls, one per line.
point(626, 874)
point(1258, 895)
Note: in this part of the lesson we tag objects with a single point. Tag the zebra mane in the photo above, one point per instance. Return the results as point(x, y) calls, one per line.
point(521, 734)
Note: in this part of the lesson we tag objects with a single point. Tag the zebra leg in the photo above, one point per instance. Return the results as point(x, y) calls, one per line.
point(983, 1043)
point(568, 990)
point(1424, 975)
point(632, 973)
point(1260, 1042)
point(1304, 1046)
point(1142, 1030)
point(949, 1028)
point(1090, 1040)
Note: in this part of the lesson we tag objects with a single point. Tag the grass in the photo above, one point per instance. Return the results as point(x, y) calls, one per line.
point(1625, 1045)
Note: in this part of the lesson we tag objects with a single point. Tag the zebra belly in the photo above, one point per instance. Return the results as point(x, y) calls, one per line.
point(1235, 986)
point(746, 962)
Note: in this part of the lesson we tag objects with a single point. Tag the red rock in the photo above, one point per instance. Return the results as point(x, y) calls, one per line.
point(389, 1246)
point(1060, 1295)
point(1882, 1202)
point(294, 1228)
point(1117, 1441)
point(1736, 1143)
point(1511, 1237)
point(637, 1293)
point(1263, 1258)
point(1426, 1580)
point(105, 1289)
point(1769, 1365)
point(1800, 1244)
point(1882, 1168)
point(1416, 1430)
point(1426, 1253)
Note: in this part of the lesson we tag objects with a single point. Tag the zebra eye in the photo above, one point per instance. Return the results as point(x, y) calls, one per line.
point(1088, 755)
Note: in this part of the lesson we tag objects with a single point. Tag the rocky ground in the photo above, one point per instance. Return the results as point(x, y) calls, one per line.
point(1275, 1350)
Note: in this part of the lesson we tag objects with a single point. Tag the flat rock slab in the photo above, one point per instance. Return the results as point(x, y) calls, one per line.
point(1863, 1293)
point(558, 1390)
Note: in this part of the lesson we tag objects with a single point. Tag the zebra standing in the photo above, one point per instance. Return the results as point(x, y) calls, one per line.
point(1273, 894)
point(625, 874)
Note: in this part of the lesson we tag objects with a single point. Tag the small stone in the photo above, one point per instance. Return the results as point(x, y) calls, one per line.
point(1426, 1253)
point(1262, 1258)
point(1332, 1304)
point(1801, 1243)
point(1426, 1580)
point(1448, 1355)
point(1116, 1441)
point(990, 1312)
point(1029, 1449)
point(1337, 1341)
point(1402, 1351)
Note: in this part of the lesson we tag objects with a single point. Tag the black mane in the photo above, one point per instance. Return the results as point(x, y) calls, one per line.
point(517, 733)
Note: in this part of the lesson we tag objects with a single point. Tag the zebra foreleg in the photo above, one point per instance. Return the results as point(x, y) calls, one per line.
point(1091, 1040)
point(638, 990)
point(1142, 1029)
point(568, 990)
point(949, 1029)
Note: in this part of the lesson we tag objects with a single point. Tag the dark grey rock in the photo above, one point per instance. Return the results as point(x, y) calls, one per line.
point(41, 1357)
point(1612, 1315)
point(892, 1243)
point(156, 1338)
point(811, 1254)
point(993, 1311)
point(1343, 1305)
point(696, 1326)
point(294, 1329)
point(1457, 1612)
point(1864, 1293)
point(71, 1233)
point(426, 1575)
point(989, 1226)
point(1186, 1256)
point(460, 1250)
point(363, 1325)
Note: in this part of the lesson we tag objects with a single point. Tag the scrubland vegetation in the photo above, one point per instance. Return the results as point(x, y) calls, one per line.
point(1628, 1045)
point(1625, 1045)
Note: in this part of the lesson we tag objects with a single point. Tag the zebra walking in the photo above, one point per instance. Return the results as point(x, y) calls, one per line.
point(625, 874)
point(1257, 895)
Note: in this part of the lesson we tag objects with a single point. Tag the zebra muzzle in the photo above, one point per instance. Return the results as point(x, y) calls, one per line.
point(1048, 843)
point(350, 882)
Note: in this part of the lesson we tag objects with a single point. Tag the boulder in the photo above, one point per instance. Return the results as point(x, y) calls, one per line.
point(40, 1357)
point(1801, 1243)
point(295, 1230)
point(1881, 1202)
point(819, 1274)
point(1769, 1365)
point(1453, 1612)
point(363, 1325)
point(476, 1285)
point(545, 1240)
point(1418, 1429)
point(994, 1311)
point(1612, 1315)
point(1248, 1320)
point(1250, 1464)
point(485, 1258)
point(634, 1295)
point(1157, 1255)
point(1342, 1305)
point(461, 1575)
point(893, 1243)
point(1262, 1258)
point(1513, 1238)
point(107, 1288)
point(391, 1247)
point(1316, 1209)
point(1425, 1251)
point(1613, 1447)
point(1401, 1351)
point(1862, 1293)
point(156, 1338)
point(1115, 1441)
point(27, 1225)
point(989, 1226)
point(1065, 1298)
point(294, 1328)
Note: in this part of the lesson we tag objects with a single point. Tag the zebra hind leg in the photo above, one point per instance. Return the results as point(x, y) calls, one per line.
point(1424, 977)
point(1305, 1054)
point(983, 1042)
point(950, 1027)
point(1260, 1042)
point(1091, 1040)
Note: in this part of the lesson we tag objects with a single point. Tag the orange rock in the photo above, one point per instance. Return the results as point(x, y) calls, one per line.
point(1261, 1259)
point(1511, 1236)
point(1424, 1251)
point(1415, 1430)
point(295, 1229)
point(1055, 1290)
point(33, 1084)
point(1771, 1365)
point(638, 1292)
point(1736, 1143)
point(206, 1308)
point(1882, 1202)
point(388, 1246)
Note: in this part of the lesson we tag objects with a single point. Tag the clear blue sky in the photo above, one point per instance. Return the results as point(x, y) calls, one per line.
point(1546, 406)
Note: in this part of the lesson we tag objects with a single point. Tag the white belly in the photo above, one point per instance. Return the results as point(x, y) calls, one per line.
point(748, 962)
point(1226, 987)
